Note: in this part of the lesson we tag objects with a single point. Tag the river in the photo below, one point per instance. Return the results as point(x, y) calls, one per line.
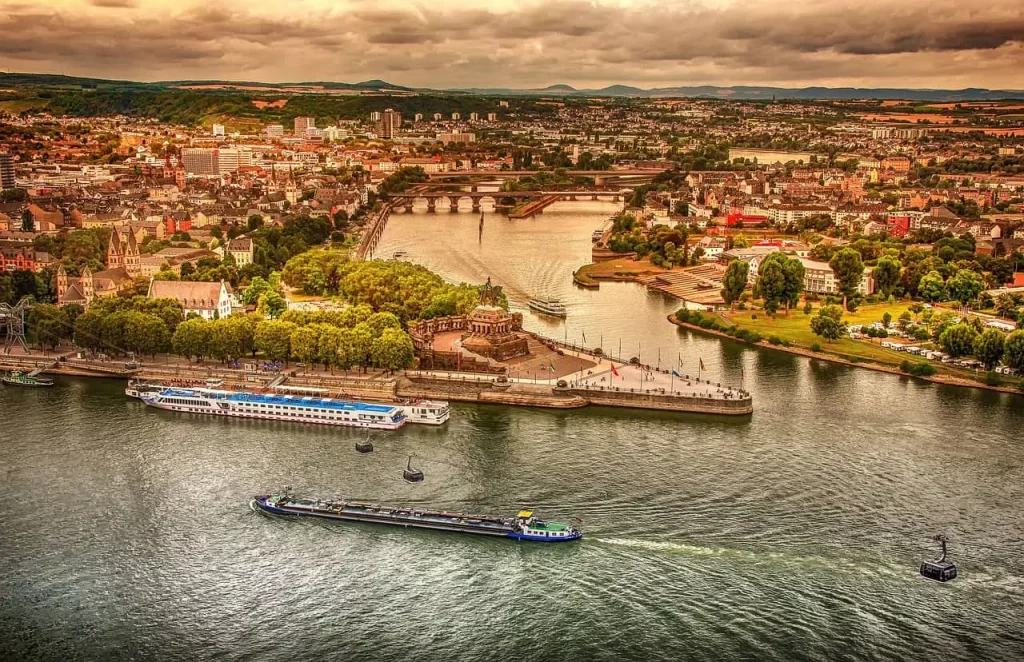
point(794, 534)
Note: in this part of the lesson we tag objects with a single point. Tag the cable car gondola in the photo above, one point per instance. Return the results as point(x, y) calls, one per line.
point(940, 569)
point(412, 475)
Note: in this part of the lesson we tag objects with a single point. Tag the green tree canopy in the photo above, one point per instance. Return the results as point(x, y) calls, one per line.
point(848, 268)
point(932, 287)
point(965, 286)
point(958, 340)
point(1013, 350)
point(989, 347)
point(886, 275)
point(735, 281)
point(828, 323)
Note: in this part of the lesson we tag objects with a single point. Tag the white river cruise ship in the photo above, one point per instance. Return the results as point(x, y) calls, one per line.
point(322, 411)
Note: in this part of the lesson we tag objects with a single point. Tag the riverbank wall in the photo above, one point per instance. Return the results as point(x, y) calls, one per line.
point(380, 387)
point(832, 358)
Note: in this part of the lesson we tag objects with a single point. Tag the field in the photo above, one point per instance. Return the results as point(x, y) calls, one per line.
point(796, 329)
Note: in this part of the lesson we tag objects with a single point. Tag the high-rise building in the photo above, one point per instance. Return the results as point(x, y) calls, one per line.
point(199, 161)
point(303, 123)
point(492, 117)
point(456, 137)
point(206, 161)
point(375, 116)
point(473, 117)
point(274, 130)
point(456, 116)
point(418, 117)
point(6, 170)
point(218, 129)
point(437, 117)
point(227, 160)
point(503, 103)
point(390, 123)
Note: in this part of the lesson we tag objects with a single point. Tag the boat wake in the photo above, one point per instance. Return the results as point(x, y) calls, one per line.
point(766, 557)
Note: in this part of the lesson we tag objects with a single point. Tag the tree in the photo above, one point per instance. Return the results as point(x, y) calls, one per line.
point(192, 338)
point(392, 350)
point(958, 340)
point(886, 275)
point(360, 342)
point(273, 338)
point(304, 344)
point(1006, 306)
point(27, 222)
point(886, 319)
point(780, 280)
point(735, 281)
point(145, 333)
point(254, 222)
point(1013, 350)
point(989, 347)
point(88, 330)
point(848, 268)
point(828, 323)
point(271, 304)
point(932, 287)
point(965, 286)
point(187, 270)
point(49, 324)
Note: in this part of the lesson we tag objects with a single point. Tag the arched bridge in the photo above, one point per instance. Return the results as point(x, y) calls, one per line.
point(406, 201)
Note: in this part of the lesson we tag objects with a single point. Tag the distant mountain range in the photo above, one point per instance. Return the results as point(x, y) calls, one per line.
point(739, 92)
point(743, 92)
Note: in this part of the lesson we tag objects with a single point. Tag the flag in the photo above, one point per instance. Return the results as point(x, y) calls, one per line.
point(702, 364)
point(676, 373)
point(584, 335)
point(614, 371)
point(552, 366)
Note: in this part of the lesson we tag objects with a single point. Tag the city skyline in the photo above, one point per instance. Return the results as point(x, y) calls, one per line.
point(937, 45)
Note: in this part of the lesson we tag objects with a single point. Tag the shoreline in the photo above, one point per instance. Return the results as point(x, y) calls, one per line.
point(472, 388)
point(832, 358)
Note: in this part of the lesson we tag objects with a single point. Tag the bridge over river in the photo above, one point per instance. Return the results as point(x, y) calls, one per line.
point(452, 199)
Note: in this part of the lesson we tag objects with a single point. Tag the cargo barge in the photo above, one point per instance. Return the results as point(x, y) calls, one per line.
point(524, 526)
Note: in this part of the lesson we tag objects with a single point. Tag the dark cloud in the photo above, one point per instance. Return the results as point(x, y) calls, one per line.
point(447, 44)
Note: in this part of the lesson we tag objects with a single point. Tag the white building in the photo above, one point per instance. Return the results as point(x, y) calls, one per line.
point(820, 279)
point(218, 129)
point(208, 300)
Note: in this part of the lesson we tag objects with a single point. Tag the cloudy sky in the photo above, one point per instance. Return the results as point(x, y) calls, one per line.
point(528, 43)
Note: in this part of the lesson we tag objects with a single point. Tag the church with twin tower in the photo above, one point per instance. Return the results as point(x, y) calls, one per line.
point(124, 265)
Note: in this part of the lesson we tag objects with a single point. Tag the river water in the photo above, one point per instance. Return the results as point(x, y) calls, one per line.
point(794, 534)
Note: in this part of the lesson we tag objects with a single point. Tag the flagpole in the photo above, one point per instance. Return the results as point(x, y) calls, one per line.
point(659, 358)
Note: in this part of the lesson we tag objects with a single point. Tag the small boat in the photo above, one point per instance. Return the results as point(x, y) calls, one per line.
point(18, 378)
point(524, 526)
point(552, 307)
point(597, 235)
point(399, 255)
point(140, 390)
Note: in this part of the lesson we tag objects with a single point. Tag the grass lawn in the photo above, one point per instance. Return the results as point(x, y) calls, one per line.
point(796, 328)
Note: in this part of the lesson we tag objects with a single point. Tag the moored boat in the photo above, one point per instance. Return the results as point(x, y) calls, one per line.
point(139, 389)
point(552, 307)
point(18, 378)
point(427, 412)
point(524, 526)
point(322, 411)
